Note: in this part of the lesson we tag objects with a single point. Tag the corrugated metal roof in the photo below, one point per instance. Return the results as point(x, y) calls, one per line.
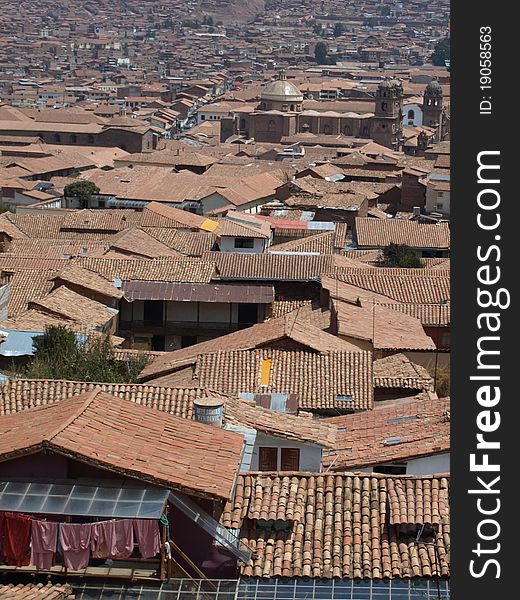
point(198, 292)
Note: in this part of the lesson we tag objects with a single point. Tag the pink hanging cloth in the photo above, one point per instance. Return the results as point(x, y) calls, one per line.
point(148, 537)
point(103, 539)
point(124, 538)
point(44, 539)
point(112, 539)
point(75, 542)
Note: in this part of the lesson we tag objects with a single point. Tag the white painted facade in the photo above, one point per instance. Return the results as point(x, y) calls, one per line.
point(437, 201)
point(215, 201)
point(310, 454)
point(228, 244)
point(412, 114)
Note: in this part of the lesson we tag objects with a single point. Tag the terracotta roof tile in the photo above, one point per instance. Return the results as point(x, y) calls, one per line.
point(179, 269)
point(405, 286)
point(143, 443)
point(67, 304)
point(22, 394)
point(341, 526)
point(385, 328)
point(377, 233)
point(293, 326)
point(270, 267)
point(322, 243)
point(398, 371)
point(189, 243)
point(394, 431)
point(339, 381)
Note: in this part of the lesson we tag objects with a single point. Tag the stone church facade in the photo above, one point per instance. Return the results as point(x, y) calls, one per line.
point(280, 114)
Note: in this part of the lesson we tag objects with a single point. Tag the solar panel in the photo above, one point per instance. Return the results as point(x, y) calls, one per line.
point(82, 500)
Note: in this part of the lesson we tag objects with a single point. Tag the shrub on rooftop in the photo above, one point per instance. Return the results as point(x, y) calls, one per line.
point(58, 354)
point(400, 256)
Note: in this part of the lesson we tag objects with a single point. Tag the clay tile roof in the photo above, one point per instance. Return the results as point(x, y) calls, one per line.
point(22, 394)
point(136, 242)
point(27, 285)
point(385, 328)
point(173, 269)
point(76, 276)
point(394, 431)
point(36, 591)
point(55, 248)
point(67, 304)
point(187, 243)
point(341, 525)
point(173, 217)
point(406, 286)
point(398, 371)
point(270, 267)
point(322, 243)
point(433, 315)
point(235, 226)
point(97, 220)
point(334, 381)
point(128, 439)
point(294, 326)
point(378, 233)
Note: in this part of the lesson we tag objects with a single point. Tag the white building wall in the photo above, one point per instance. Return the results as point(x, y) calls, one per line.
point(181, 311)
point(214, 312)
point(429, 465)
point(227, 244)
point(417, 114)
point(310, 454)
point(435, 198)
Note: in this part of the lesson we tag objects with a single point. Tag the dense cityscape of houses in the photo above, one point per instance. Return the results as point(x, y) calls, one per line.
point(246, 208)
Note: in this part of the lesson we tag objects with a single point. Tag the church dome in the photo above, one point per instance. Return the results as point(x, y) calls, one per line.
point(281, 90)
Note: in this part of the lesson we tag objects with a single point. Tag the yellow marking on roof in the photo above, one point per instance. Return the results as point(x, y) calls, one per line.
point(266, 371)
point(209, 225)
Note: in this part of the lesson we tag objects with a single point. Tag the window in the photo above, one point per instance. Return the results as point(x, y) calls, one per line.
point(411, 114)
point(395, 469)
point(290, 459)
point(268, 459)
point(202, 117)
point(440, 205)
point(57, 138)
point(153, 311)
point(445, 339)
point(247, 314)
point(244, 243)
point(73, 139)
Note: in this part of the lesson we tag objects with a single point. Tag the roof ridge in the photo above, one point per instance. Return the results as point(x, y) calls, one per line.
point(90, 397)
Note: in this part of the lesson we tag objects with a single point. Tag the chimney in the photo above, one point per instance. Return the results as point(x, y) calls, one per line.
point(416, 211)
point(209, 411)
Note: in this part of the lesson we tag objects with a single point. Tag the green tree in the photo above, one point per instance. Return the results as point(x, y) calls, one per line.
point(441, 52)
point(321, 52)
point(401, 256)
point(82, 190)
point(339, 28)
point(59, 355)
